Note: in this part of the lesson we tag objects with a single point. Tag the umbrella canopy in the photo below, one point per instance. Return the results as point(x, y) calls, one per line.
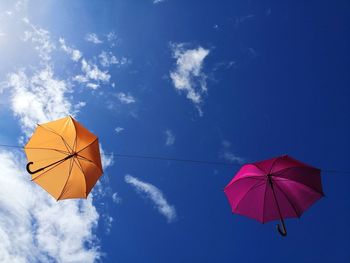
point(64, 158)
point(274, 189)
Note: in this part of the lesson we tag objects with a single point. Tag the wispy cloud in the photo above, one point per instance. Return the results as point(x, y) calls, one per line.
point(74, 54)
point(157, 1)
point(169, 138)
point(38, 98)
point(107, 59)
point(93, 38)
point(155, 195)
point(37, 94)
point(125, 98)
point(107, 159)
point(119, 129)
point(188, 76)
point(41, 40)
point(92, 86)
point(92, 73)
point(116, 198)
point(111, 36)
point(239, 20)
point(227, 154)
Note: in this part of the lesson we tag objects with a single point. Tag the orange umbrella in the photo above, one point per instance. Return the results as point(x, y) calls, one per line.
point(64, 158)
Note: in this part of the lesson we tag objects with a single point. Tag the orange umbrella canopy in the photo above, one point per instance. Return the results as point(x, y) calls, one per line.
point(64, 158)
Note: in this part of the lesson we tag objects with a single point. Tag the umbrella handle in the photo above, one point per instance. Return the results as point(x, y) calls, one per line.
point(32, 172)
point(283, 230)
point(52, 164)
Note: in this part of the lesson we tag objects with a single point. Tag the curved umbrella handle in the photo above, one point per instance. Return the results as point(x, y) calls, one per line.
point(32, 172)
point(47, 166)
point(283, 231)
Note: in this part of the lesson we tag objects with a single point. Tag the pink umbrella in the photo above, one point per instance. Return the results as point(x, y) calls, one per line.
point(273, 189)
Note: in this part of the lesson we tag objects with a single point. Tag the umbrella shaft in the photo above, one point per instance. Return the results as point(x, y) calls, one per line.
point(47, 166)
point(274, 197)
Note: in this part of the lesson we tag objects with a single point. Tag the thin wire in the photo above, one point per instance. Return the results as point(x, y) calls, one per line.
point(11, 146)
point(170, 159)
point(161, 158)
point(335, 171)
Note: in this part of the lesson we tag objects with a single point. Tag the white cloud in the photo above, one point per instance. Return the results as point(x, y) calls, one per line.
point(228, 155)
point(170, 138)
point(119, 129)
point(111, 36)
point(92, 37)
point(92, 86)
point(155, 195)
point(125, 98)
point(36, 228)
point(79, 105)
point(116, 198)
point(107, 59)
point(107, 159)
point(188, 75)
point(20, 5)
point(157, 1)
point(93, 72)
point(75, 54)
point(41, 40)
point(80, 78)
point(108, 220)
point(38, 98)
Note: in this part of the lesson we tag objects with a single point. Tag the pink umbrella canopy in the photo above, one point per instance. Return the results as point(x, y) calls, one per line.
point(273, 189)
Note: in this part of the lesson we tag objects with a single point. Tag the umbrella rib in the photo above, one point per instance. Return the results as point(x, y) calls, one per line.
point(69, 174)
point(263, 219)
point(86, 159)
point(42, 148)
point(290, 202)
point(280, 172)
point(258, 168)
point(255, 177)
point(75, 140)
point(82, 170)
point(273, 164)
point(87, 146)
point(289, 180)
point(41, 160)
point(250, 189)
point(64, 141)
point(79, 165)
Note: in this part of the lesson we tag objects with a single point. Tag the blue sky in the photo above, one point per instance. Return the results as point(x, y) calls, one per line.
point(230, 81)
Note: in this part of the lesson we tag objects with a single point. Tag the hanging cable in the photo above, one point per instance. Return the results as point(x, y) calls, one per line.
point(11, 146)
point(162, 158)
